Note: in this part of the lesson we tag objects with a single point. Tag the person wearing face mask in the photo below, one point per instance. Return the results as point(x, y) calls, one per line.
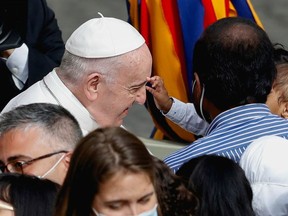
point(230, 91)
point(38, 139)
point(113, 174)
point(185, 114)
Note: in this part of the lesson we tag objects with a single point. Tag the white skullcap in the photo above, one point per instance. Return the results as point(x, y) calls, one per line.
point(104, 37)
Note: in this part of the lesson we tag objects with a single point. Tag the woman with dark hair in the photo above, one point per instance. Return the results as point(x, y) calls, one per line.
point(173, 197)
point(220, 184)
point(112, 173)
point(27, 195)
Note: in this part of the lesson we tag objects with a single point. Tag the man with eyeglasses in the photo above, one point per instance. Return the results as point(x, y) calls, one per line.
point(38, 139)
point(103, 73)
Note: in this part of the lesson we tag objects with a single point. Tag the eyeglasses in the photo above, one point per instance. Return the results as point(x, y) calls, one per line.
point(17, 166)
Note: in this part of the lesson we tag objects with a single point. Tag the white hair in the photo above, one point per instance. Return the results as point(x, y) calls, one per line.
point(74, 69)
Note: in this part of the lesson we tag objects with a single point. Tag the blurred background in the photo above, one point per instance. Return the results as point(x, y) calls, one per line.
point(72, 13)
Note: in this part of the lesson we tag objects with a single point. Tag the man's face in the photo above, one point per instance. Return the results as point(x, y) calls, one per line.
point(22, 145)
point(117, 97)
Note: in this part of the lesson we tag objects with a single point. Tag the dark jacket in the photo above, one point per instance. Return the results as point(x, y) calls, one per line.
point(37, 25)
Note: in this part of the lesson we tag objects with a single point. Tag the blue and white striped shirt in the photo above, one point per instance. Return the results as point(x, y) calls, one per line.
point(231, 132)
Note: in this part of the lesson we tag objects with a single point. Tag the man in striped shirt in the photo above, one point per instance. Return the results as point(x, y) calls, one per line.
point(234, 71)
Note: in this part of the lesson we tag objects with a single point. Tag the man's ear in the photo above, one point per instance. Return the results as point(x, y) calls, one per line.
point(67, 159)
point(197, 88)
point(284, 112)
point(92, 86)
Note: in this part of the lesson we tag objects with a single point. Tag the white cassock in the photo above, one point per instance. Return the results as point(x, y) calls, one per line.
point(52, 90)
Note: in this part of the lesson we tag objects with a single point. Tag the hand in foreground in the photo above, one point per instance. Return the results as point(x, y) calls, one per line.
point(161, 98)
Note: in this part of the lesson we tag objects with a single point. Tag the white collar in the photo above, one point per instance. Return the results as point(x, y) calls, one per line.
point(67, 99)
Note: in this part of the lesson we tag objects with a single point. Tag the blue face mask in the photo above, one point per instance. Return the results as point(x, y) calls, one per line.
point(152, 212)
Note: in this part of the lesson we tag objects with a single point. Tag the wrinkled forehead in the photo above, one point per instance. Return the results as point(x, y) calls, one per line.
point(135, 73)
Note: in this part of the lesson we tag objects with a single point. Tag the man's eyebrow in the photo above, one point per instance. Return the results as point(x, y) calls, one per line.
point(16, 157)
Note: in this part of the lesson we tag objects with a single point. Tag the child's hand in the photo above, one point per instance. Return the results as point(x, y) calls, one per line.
point(162, 100)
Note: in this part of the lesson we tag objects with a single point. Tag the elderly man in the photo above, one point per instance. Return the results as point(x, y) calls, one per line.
point(234, 71)
point(102, 74)
point(38, 139)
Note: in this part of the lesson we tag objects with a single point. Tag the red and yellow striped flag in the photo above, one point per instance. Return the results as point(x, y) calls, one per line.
point(171, 28)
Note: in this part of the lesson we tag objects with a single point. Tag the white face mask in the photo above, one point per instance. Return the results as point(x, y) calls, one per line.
point(52, 168)
point(201, 100)
point(201, 104)
point(152, 212)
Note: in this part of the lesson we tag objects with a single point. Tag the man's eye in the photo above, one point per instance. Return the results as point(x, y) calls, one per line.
point(15, 166)
point(18, 165)
point(133, 90)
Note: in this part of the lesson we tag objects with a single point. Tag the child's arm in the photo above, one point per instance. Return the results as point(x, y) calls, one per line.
point(162, 100)
point(183, 114)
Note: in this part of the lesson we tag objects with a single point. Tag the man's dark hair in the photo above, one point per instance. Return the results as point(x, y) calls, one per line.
point(234, 61)
point(220, 184)
point(56, 122)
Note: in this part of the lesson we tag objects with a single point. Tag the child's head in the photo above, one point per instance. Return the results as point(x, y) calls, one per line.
point(277, 100)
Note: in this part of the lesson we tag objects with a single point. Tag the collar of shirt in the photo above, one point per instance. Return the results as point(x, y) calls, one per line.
point(64, 97)
point(237, 115)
